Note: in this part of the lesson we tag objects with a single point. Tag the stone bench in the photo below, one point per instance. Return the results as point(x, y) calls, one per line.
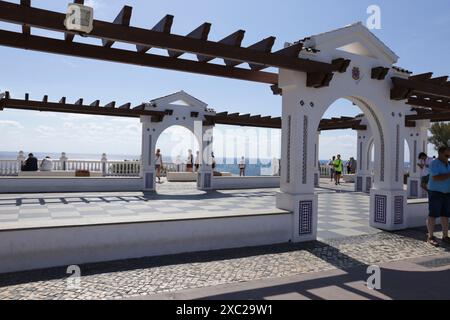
point(54, 174)
point(188, 176)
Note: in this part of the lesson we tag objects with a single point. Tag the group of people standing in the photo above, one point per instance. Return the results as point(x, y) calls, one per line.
point(192, 165)
point(336, 166)
point(336, 169)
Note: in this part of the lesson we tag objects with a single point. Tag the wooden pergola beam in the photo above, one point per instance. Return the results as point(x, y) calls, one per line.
point(108, 110)
point(13, 13)
point(49, 45)
point(404, 88)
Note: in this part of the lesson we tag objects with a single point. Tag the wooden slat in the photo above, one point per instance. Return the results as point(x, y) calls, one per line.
point(234, 40)
point(26, 30)
point(422, 77)
point(123, 19)
point(63, 100)
point(264, 46)
point(201, 33)
point(419, 87)
point(341, 65)
point(79, 102)
point(126, 106)
point(110, 105)
point(96, 103)
point(164, 26)
point(439, 80)
point(292, 51)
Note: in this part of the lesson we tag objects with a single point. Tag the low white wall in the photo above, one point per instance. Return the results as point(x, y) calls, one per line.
point(41, 248)
point(221, 183)
point(417, 213)
point(60, 184)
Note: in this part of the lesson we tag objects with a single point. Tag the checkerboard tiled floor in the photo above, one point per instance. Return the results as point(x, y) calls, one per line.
point(341, 214)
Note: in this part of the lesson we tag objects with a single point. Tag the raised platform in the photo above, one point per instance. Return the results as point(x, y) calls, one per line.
point(49, 174)
point(45, 230)
point(54, 229)
point(69, 184)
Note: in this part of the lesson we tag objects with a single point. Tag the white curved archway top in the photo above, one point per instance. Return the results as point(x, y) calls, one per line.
point(180, 103)
point(354, 39)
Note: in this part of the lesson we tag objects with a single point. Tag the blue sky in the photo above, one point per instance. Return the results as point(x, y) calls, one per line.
point(418, 31)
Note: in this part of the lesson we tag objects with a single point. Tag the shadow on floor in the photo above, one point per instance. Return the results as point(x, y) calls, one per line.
point(395, 284)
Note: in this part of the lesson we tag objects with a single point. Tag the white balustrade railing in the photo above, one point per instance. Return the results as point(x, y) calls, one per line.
point(9, 167)
point(122, 168)
point(107, 168)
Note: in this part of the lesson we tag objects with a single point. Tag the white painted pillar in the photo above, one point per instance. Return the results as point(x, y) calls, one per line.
point(299, 137)
point(204, 135)
point(388, 197)
point(20, 160)
point(364, 177)
point(417, 139)
point(63, 159)
point(104, 161)
point(148, 154)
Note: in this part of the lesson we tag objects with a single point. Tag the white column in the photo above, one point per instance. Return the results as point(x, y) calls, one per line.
point(316, 161)
point(417, 139)
point(104, 161)
point(148, 151)
point(299, 137)
point(204, 135)
point(388, 197)
point(20, 160)
point(364, 178)
point(63, 159)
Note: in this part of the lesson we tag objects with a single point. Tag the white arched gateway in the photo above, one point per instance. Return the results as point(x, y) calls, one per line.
point(181, 109)
point(306, 99)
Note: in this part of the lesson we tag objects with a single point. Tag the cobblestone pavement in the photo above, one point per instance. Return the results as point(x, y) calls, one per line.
point(133, 278)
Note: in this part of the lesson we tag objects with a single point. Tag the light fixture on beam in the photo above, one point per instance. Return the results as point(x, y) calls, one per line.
point(79, 18)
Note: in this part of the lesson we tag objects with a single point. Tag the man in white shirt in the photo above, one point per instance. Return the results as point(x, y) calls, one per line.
point(424, 165)
point(47, 164)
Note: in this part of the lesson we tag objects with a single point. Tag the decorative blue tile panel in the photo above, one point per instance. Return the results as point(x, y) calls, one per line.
point(380, 209)
point(359, 184)
point(398, 210)
point(305, 219)
point(414, 188)
point(368, 184)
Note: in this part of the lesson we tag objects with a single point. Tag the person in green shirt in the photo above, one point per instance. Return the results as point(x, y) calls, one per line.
point(339, 168)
